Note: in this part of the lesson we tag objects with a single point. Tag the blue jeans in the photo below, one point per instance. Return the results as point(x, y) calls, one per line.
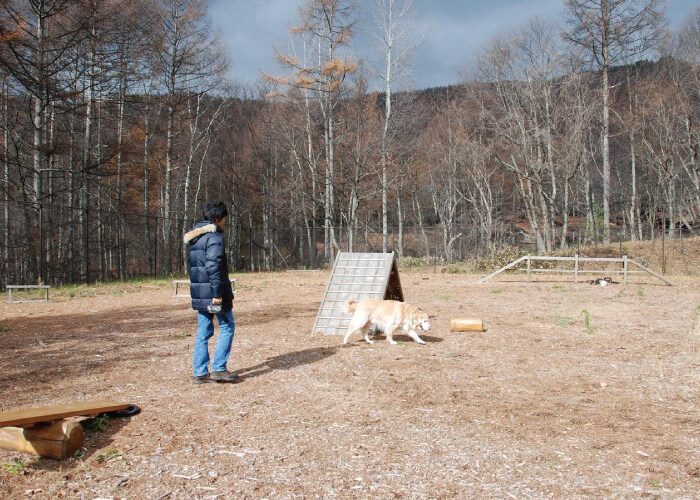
point(205, 331)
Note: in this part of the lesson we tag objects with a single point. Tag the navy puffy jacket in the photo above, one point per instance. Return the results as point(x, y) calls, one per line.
point(208, 267)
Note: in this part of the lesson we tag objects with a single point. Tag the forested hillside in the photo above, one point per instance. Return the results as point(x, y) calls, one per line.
point(119, 123)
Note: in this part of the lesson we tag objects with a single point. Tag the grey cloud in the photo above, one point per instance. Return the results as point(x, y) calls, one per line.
point(454, 31)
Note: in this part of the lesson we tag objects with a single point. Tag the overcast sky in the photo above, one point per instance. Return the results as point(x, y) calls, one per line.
point(453, 30)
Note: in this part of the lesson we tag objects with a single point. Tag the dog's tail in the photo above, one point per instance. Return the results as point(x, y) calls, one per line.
point(350, 306)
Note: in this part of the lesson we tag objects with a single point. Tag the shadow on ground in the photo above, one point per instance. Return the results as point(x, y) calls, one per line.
point(288, 361)
point(429, 339)
point(48, 349)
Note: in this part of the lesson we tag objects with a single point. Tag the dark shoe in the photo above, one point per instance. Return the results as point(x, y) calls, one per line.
point(202, 379)
point(224, 376)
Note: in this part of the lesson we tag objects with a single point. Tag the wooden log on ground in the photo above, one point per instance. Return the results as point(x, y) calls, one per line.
point(57, 440)
point(466, 325)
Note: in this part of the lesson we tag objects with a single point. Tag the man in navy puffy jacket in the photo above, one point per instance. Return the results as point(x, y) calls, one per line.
point(210, 285)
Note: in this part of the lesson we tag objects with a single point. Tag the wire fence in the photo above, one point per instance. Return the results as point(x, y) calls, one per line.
point(54, 244)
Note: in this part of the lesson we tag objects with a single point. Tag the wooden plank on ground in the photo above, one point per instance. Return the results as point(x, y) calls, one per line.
point(27, 417)
point(646, 269)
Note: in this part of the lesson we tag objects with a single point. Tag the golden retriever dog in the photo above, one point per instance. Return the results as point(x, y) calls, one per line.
point(386, 316)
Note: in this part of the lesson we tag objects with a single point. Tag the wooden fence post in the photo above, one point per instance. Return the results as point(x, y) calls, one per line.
point(528, 268)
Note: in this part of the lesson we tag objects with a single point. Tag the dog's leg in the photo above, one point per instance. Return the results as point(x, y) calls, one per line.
point(352, 328)
point(415, 337)
point(390, 335)
point(359, 323)
point(367, 329)
point(347, 336)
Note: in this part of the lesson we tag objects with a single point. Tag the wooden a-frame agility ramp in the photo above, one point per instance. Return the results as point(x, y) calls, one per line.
point(356, 276)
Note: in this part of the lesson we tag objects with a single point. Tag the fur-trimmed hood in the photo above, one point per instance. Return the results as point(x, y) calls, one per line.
point(199, 231)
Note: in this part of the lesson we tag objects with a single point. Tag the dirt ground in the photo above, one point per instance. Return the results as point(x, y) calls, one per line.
point(573, 391)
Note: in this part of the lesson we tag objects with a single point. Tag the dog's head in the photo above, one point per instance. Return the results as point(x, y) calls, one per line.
point(420, 318)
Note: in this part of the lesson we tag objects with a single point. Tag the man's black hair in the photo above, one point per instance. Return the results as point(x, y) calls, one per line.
point(215, 211)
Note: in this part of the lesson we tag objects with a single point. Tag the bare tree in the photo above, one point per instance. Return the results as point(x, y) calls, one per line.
point(359, 117)
point(129, 20)
point(203, 114)
point(6, 178)
point(187, 59)
point(394, 22)
point(302, 142)
point(686, 50)
point(538, 116)
point(613, 32)
point(327, 24)
point(443, 142)
point(299, 140)
point(37, 37)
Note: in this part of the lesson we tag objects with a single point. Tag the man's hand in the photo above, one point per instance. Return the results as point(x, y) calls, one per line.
point(216, 300)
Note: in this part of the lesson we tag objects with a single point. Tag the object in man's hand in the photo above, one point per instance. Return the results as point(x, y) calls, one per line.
point(214, 308)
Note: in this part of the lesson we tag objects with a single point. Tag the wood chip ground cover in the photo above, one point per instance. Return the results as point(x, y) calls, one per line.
point(541, 404)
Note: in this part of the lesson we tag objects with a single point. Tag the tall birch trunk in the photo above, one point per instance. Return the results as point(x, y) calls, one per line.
point(146, 190)
point(400, 216)
point(565, 215)
point(200, 174)
point(168, 210)
point(590, 230)
point(266, 213)
point(194, 128)
point(606, 122)
point(49, 250)
point(551, 199)
point(39, 110)
point(330, 186)
point(102, 257)
point(73, 195)
point(121, 237)
point(633, 214)
point(6, 165)
point(691, 166)
point(311, 231)
point(352, 213)
point(385, 134)
point(85, 179)
point(327, 110)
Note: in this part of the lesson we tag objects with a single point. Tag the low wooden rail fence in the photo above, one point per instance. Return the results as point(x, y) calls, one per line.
point(10, 288)
point(625, 270)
